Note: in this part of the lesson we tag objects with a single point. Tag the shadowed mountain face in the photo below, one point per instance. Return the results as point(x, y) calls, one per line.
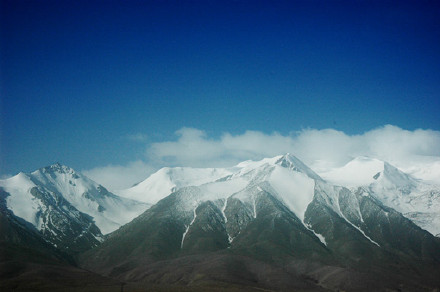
point(30, 263)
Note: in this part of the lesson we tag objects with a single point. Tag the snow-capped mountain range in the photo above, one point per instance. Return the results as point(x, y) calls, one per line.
point(51, 197)
point(416, 199)
point(58, 189)
point(294, 188)
point(266, 210)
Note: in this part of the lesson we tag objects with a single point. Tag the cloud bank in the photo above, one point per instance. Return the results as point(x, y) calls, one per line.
point(320, 149)
point(326, 147)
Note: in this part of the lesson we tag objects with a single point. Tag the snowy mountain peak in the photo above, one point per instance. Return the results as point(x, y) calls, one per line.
point(412, 197)
point(291, 162)
point(365, 171)
point(20, 177)
point(286, 160)
point(57, 167)
point(372, 170)
point(397, 177)
point(59, 183)
point(167, 180)
point(361, 171)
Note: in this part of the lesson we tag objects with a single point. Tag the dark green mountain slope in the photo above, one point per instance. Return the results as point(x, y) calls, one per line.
point(271, 248)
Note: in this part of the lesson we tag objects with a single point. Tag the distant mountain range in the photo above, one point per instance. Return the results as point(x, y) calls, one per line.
point(272, 224)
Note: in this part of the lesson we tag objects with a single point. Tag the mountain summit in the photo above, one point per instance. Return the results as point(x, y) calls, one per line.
point(291, 162)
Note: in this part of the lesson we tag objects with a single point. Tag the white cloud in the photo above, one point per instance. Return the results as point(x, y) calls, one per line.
point(394, 144)
point(318, 148)
point(193, 148)
point(414, 151)
point(115, 177)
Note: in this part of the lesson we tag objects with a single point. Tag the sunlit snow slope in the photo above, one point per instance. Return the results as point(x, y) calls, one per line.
point(292, 180)
point(418, 200)
point(62, 183)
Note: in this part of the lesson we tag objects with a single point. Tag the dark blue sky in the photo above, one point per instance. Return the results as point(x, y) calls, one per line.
point(79, 77)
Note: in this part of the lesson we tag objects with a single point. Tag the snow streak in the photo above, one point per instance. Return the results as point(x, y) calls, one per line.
point(320, 236)
point(230, 239)
point(223, 210)
point(360, 230)
point(187, 227)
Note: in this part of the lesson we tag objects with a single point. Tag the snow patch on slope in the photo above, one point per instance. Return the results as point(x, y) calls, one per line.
point(25, 205)
point(295, 189)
